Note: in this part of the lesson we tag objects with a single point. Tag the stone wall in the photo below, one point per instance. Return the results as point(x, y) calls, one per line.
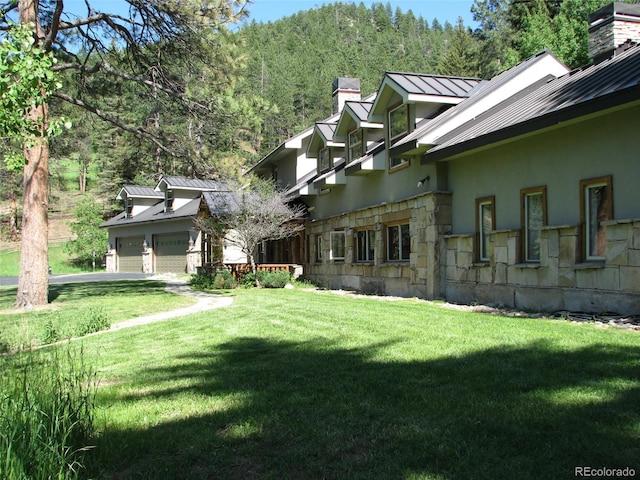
point(612, 34)
point(429, 218)
point(560, 281)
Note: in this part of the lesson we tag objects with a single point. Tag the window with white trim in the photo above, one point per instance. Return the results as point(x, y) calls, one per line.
point(324, 160)
point(365, 245)
point(356, 144)
point(596, 207)
point(398, 242)
point(533, 202)
point(398, 119)
point(128, 207)
point(337, 240)
point(168, 201)
point(485, 224)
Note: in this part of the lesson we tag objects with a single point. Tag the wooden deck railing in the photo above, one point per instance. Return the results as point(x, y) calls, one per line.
point(238, 270)
point(241, 269)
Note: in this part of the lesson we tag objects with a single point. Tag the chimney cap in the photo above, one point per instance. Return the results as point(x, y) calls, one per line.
point(609, 12)
point(346, 83)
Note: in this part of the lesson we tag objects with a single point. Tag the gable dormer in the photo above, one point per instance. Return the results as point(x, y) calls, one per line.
point(323, 147)
point(356, 131)
point(137, 198)
point(178, 191)
point(405, 100)
point(504, 87)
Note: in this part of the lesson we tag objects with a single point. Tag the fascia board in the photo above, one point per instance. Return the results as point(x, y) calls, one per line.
point(544, 67)
point(437, 99)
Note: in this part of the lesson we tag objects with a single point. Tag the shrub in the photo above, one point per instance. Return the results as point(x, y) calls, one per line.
point(275, 279)
point(201, 280)
point(46, 415)
point(221, 279)
point(224, 279)
point(267, 279)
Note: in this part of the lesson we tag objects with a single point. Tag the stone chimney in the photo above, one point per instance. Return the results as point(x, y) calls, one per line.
point(612, 26)
point(345, 89)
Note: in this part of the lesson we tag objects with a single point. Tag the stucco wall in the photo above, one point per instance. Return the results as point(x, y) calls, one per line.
point(375, 188)
point(562, 280)
point(558, 159)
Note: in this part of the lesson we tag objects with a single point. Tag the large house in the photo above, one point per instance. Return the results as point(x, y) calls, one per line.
point(156, 234)
point(520, 191)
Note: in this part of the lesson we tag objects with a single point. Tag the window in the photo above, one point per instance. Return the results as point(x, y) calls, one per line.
point(356, 144)
point(168, 201)
point(395, 162)
point(398, 122)
point(485, 223)
point(365, 245)
point(338, 241)
point(319, 248)
point(596, 206)
point(533, 202)
point(398, 242)
point(128, 207)
point(324, 160)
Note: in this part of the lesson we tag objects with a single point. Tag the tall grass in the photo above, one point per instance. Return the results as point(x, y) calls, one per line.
point(46, 415)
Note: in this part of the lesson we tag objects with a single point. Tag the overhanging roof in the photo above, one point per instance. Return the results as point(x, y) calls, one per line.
point(185, 183)
point(155, 213)
point(138, 191)
point(415, 87)
point(585, 91)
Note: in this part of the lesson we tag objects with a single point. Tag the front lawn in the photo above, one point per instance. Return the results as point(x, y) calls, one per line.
point(300, 384)
point(59, 261)
point(76, 309)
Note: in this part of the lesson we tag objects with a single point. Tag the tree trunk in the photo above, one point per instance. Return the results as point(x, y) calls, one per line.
point(82, 178)
point(33, 282)
point(13, 216)
point(254, 269)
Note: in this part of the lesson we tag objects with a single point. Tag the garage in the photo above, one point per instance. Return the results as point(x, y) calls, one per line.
point(171, 252)
point(129, 251)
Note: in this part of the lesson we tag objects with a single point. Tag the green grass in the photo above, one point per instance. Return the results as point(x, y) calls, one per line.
point(46, 415)
point(296, 384)
point(59, 261)
point(79, 308)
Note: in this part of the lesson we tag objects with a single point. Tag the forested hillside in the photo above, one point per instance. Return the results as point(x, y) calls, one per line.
point(292, 62)
point(253, 86)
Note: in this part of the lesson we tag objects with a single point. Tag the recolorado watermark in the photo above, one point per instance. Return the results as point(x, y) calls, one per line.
point(602, 472)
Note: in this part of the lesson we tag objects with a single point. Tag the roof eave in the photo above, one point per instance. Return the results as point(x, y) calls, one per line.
point(600, 105)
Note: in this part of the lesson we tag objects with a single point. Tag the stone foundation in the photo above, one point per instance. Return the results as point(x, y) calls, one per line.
point(559, 281)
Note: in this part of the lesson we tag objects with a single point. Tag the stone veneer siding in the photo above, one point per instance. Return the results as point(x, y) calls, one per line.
point(429, 217)
point(560, 281)
point(609, 36)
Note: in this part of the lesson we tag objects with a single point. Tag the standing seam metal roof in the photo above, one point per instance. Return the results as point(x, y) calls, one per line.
point(141, 191)
point(194, 183)
point(576, 88)
point(360, 109)
point(414, 83)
